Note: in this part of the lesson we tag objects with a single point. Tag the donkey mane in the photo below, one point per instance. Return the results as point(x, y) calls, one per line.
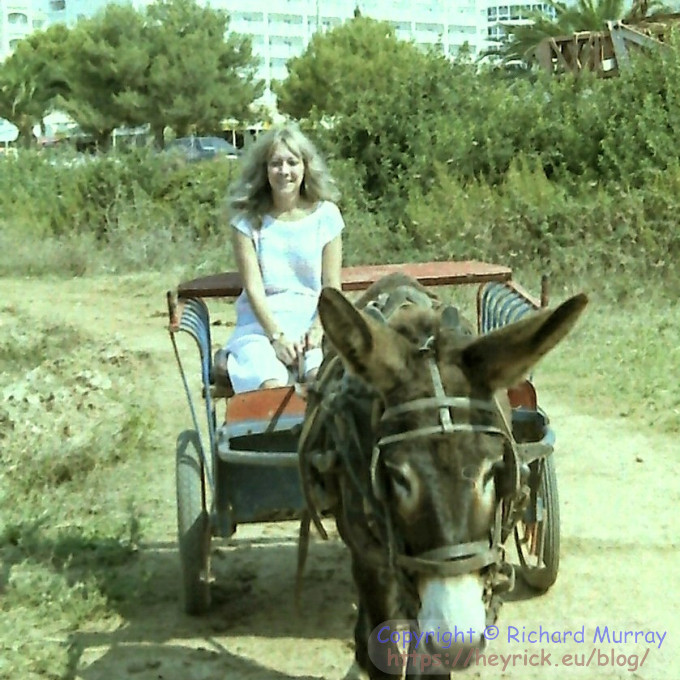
point(415, 324)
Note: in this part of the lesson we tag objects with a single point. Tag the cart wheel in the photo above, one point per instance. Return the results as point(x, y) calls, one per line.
point(537, 536)
point(193, 525)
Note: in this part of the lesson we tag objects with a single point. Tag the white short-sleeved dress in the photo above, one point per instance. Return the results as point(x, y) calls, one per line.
point(289, 254)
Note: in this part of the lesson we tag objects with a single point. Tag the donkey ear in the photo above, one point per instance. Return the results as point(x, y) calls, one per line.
point(504, 356)
point(367, 347)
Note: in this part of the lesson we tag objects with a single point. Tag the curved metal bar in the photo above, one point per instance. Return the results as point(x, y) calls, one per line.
point(195, 321)
point(531, 451)
point(277, 459)
point(501, 305)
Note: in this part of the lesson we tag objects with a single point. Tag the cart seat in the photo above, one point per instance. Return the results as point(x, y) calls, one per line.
point(219, 376)
point(523, 395)
point(222, 387)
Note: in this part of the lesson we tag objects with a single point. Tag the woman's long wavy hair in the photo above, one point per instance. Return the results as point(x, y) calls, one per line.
point(251, 195)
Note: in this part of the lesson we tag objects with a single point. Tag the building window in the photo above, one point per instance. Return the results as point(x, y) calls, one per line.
point(430, 28)
point(468, 30)
point(285, 41)
point(14, 43)
point(401, 25)
point(17, 18)
point(57, 5)
point(290, 19)
point(248, 16)
point(324, 22)
point(38, 23)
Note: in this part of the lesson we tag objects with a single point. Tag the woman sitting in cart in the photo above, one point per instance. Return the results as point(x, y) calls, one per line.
point(286, 234)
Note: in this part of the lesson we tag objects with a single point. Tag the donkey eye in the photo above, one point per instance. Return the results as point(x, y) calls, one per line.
point(400, 477)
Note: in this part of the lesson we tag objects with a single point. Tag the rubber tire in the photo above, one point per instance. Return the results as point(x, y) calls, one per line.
point(541, 578)
point(193, 526)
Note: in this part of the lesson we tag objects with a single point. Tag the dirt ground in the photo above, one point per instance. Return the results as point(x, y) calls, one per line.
point(619, 559)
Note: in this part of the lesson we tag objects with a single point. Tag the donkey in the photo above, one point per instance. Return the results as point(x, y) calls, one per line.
point(414, 465)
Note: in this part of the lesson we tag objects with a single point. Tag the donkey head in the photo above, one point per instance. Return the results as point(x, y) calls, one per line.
point(438, 482)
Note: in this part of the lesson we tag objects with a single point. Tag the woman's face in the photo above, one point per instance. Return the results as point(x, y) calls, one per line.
point(285, 171)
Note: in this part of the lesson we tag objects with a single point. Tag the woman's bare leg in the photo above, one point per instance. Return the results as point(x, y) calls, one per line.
point(267, 384)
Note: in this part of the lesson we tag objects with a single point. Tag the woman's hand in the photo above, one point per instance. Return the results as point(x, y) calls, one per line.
point(286, 351)
point(314, 336)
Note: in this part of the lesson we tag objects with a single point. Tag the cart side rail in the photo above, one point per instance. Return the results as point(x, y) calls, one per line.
point(502, 303)
point(191, 316)
point(359, 278)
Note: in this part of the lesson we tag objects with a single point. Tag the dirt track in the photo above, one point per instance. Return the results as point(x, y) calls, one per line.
point(619, 498)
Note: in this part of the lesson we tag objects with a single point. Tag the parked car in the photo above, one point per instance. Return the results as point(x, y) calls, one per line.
point(202, 148)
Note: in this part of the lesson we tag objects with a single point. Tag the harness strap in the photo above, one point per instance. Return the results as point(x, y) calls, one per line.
point(439, 393)
point(446, 567)
point(438, 401)
point(454, 552)
point(437, 429)
point(370, 532)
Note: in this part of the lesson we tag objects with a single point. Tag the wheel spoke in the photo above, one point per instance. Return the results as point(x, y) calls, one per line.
point(537, 540)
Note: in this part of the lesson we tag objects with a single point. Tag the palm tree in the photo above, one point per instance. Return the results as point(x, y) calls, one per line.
point(585, 15)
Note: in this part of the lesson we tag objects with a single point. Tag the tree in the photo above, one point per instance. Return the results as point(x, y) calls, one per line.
point(198, 74)
point(392, 108)
point(361, 55)
point(106, 62)
point(585, 15)
point(31, 79)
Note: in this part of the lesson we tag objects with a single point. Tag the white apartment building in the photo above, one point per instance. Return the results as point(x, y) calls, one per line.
point(500, 13)
point(281, 29)
point(70, 11)
point(18, 18)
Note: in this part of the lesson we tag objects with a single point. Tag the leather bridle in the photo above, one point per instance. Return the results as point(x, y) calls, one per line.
point(371, 533)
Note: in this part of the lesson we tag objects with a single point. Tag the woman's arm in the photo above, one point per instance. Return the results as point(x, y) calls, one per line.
point(331, 276)
point(246, 260)
point(331, 263)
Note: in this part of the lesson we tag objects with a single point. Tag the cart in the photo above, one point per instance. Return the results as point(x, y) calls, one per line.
point(245, 470)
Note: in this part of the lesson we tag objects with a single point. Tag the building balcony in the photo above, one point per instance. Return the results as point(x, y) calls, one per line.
point(284, 51)
point(248, 27)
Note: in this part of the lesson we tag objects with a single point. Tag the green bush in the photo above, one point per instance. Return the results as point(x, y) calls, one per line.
point(94, 195)
point(570, 175)
point(529, 222)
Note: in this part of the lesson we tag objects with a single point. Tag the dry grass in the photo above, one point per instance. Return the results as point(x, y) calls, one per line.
point(82, 442)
